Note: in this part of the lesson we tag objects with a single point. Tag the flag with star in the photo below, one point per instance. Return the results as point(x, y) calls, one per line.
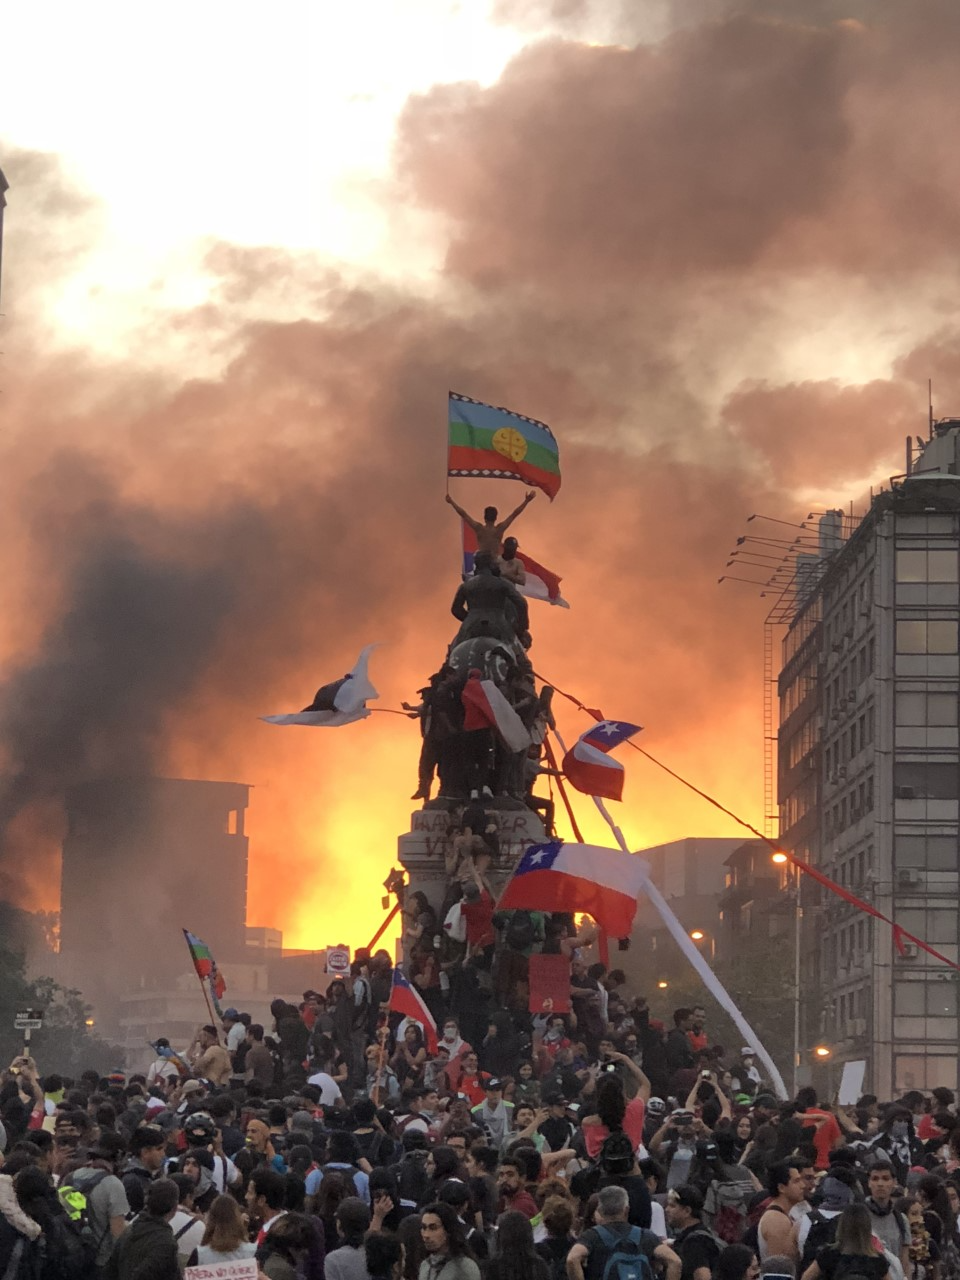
point(501, 445)
point(588, 765)
point(557, 876)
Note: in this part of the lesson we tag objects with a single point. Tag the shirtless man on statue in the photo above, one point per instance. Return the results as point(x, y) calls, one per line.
point(490, 533)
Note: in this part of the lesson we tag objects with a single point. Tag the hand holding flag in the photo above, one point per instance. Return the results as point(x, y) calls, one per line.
point(406, 999)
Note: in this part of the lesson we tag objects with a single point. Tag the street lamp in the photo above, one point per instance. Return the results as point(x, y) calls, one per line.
point(662, 984)
point(823, 1052)
point(696, 935)
point(779, 857)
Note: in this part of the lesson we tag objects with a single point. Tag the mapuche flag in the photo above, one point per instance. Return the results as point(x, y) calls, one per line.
point(205, 964)
point(500, 444)
point(555, 876)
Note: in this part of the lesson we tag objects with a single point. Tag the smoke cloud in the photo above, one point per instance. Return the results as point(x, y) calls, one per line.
point(663, 249)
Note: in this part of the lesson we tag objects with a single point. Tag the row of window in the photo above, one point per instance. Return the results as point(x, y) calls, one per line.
point(924, 708)
point(929, 565)
point(851, 613)
point(853, 739)
point(927, 852)
point(926, 780)
point(849, 678)
point(848, 1007)
point(850, 807)
point(922, 635)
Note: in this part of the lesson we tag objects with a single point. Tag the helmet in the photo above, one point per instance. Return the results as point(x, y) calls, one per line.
point(199, 1129)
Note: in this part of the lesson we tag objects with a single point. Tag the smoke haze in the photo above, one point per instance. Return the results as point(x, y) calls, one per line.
point(719, 259)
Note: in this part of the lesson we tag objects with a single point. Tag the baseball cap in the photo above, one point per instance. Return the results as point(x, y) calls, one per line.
point(493, 1083)
point(656, 1106)
point(555, 1099)
point(231, 1013)
point(191, 1086)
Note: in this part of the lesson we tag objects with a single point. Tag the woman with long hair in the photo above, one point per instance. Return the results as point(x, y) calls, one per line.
point(516, 1257)
point(557, 1216)
point(443, 1165)
point(411, 1245)
point(411, 1055)
point(614, 1114)
point(924, 1252)
point(333, 1189)
point(225, 1238)
point(853, 1250)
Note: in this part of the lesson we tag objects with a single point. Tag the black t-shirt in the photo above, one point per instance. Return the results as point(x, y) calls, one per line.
point(599, 1253)
point(833, 1264)
point(696, 1248)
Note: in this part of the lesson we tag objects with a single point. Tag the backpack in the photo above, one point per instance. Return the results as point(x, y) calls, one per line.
point(751, 1237)
point(627, 1260)
point(520, 933)
point(346, 1174)
point(729, 1209)
point(822, 1231)
point(617, 1154)
point(76, 1239)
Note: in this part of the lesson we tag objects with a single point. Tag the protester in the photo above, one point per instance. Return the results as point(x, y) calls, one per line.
point(147, 1250)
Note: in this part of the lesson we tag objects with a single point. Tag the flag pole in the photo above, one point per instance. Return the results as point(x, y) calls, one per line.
point(446, 449)
point(203, 988)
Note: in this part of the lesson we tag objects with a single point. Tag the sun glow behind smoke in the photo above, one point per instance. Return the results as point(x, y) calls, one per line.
point(656, 249)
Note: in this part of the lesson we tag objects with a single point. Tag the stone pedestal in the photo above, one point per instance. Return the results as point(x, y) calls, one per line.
point(421, 852)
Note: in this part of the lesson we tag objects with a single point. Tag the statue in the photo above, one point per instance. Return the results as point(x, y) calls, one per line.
point(488, 605)
point(490, 534)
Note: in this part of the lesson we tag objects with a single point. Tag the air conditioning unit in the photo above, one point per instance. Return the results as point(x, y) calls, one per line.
point(909, 951)
point(905, 793)
point(908, 878)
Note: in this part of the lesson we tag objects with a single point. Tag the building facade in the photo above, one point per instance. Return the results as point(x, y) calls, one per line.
point(869, 778)
point(142, 859)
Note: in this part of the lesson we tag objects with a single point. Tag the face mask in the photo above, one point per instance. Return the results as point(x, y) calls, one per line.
point(899, 1129)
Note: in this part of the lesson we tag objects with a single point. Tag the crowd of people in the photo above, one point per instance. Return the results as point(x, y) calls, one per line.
point(336, 1145)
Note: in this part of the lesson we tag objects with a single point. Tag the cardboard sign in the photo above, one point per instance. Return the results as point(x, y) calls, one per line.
point(338, 961)
point(851, 1082)
point(28, 1020)
point(245, 1270)
point(549, 984)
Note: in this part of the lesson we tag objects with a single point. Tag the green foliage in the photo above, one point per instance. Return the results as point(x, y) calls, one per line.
point(66, 1044)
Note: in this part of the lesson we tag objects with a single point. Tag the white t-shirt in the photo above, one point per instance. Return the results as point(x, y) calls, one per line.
point(658, 1219)
point(161, 1069)
point(329, 1089)
point(191, 1237)
point(235, 1037)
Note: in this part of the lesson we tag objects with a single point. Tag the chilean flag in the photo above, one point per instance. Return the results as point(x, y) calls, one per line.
point(588, 766)
point(541, 584)
point(406, 999)
point(485, 707)
point(605, 883)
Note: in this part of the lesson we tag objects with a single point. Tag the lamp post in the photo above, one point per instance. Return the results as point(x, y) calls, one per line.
point(781, 859)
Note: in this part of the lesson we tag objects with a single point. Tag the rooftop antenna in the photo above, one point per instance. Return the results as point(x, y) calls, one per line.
point(930, 406)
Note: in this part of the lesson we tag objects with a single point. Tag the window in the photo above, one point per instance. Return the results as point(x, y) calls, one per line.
point(936, 925)
point(927, 708)
point(927, 566)
point(917, 636)
point(923, 1071)
point(936, 853)
point(932, 999)
point(926, 781)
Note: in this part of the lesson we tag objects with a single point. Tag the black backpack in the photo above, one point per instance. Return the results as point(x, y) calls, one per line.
point(822, 1231)
point(616, 1155)
point(520, 933)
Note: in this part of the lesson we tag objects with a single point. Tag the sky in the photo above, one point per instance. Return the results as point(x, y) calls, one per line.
point(247, 254)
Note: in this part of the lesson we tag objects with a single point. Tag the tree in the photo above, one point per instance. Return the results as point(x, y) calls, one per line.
point(66, 1044)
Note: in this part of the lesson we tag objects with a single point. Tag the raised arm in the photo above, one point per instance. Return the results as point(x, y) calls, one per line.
point(504, 525)
point(474, 524)
point(643, 1084)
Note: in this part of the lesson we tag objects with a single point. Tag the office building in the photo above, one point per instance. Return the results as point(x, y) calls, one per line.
point(144, 858)
point(868, 774)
